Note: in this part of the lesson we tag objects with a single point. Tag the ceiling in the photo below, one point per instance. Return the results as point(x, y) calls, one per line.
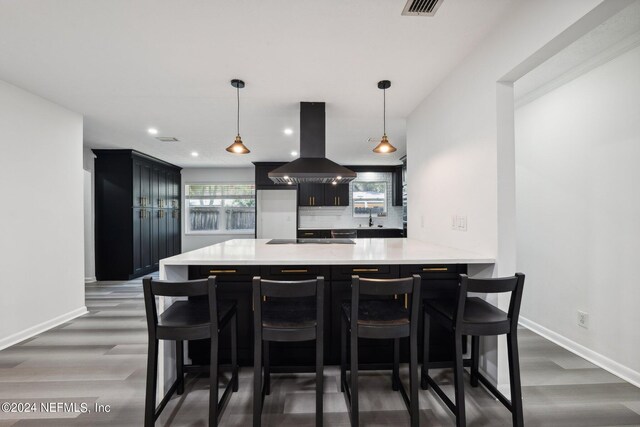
point(128, 65)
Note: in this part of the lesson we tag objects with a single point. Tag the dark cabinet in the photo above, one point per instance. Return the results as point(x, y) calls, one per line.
point(376, 233)
point(336, 195)
point(396, 186)
point(314, 234)
point(137, 201)
point(311, 194)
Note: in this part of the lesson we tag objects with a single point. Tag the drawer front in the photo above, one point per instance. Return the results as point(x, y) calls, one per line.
point(344, 272)
point(433, 271)
point(314, 234)
point(294, 272)
point(225, 273)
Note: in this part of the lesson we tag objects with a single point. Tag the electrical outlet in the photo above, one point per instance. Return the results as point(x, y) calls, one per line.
point(583, 319)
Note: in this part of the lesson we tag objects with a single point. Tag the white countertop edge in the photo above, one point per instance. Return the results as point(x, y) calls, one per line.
point(169, 262)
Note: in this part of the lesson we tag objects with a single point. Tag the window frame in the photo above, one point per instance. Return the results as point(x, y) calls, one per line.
point(385, 211)
point(222, 216)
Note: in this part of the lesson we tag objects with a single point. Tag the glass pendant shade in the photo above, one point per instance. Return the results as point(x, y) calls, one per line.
point(238, 147)
point(384, 146)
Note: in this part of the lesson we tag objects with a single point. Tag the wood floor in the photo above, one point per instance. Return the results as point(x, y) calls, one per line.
point(100, 359)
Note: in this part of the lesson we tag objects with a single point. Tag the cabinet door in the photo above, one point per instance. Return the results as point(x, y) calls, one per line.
point(177, 232)
point(396, 187)
point(142, 247)
point(311, 195)
point(142, 184)
point(153, 238)
point(336, 195)
point(161, 234)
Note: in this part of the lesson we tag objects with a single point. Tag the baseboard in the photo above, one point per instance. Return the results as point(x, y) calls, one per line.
point(41, 327)
point(90, 279)
point(597, 359)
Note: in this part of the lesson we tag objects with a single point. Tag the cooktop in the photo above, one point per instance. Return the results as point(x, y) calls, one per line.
point(315, 241)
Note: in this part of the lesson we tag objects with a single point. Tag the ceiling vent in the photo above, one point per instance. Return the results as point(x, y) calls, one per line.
point(166, 139)
point(421, 7)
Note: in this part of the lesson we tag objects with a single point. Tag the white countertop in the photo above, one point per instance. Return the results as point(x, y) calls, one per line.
point(350, 228)
point(365, 251)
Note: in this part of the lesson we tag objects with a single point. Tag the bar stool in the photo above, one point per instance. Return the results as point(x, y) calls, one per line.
point(381, 319)
point(474, 316)
point(281, 312)
point(183, 321)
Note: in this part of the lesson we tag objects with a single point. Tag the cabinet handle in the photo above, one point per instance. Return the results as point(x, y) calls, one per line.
point(435, 269)
point(362, 270)
point(338, 200)
point(141, 214)
point(308, 234)
point(222, 271)
point(300, 270)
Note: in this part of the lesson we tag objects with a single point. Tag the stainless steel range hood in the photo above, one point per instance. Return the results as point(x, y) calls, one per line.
point(312, 166)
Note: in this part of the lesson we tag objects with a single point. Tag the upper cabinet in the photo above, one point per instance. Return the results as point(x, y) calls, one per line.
point(396, 187)
point(336, 195)
point(311, 194)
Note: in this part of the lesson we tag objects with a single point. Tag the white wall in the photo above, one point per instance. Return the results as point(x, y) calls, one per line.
point(41, 220)
point(89, 216)
point(460, 138)
point(213, 175)
point(578, 210)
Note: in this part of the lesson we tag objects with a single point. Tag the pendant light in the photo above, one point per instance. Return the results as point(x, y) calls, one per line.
point(238, 147)
point(384, 147)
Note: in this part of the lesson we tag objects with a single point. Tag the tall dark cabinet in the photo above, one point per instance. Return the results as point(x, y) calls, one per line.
point(137, 205)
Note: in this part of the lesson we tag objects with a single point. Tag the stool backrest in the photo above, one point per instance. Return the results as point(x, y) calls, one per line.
point(189, 288)
point(287, 289)
point(513, 284)
point(385, 287)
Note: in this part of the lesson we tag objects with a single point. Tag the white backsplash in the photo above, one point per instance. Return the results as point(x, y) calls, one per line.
point(342, 216)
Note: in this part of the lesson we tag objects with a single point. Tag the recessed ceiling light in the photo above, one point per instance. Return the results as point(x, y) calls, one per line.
point(294, 153)
point(288, 131)
point(152, 131)
point(195, 154)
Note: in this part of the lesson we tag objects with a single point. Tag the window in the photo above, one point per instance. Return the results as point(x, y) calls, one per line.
point(220, 208)
point(369, 198)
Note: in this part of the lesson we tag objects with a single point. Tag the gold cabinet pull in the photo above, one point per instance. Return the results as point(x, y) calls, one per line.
point(363, 270)
point(294, 270)
point(223, 271)
point(435, 269)
point(308, 234)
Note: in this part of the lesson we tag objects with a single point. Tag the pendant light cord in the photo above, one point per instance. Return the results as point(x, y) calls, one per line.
point(238, 115)
point(384, 111)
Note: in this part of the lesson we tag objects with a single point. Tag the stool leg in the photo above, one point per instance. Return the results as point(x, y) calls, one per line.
point(354, 379)
point(413, 379)
point(180, 367)
point(395, 374)
point(257, 379)
point(319, 378)
point(267, 367)
point(152, 382)
point(343, 353)
point(234, 352)
point(425, 354)
point(514, 377)
point(458, 373)
point(213, 383)
point(475, 359)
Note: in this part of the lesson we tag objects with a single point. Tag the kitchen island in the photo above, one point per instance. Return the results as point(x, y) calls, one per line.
point(236, 262)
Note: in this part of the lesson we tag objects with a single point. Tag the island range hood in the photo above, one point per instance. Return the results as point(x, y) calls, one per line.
point(312, 166)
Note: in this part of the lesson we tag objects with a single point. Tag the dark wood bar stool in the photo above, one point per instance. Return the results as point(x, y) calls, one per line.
point(286, 311)
point(184, 321)
point(381, 319)
point(474, 316)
